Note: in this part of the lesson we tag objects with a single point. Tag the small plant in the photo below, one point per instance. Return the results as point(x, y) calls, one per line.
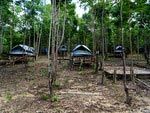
point(56, 84)
point(81, 67)
point(44, 72)
point(81, 73)
point(8, 96)
point(45, 97)
point(55, 98)
point(94, 66)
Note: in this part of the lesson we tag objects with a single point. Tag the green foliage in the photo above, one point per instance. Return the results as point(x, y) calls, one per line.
point(45, 97)
point(43, 72)
point(8, 96)
point(54, 98)
point(29, 17)
point(81, 73)
point(81, 68)
point(94, 66)
point(57, 84)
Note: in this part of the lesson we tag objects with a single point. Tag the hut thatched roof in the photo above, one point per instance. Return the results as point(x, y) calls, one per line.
point(22, 50)
point(81, 51)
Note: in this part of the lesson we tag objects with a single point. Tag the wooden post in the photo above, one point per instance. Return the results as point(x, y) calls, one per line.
point(114, 76)
point(71, 63)
point(134, 76)
point(131, 73)
point(103, 77)
point(81, 64)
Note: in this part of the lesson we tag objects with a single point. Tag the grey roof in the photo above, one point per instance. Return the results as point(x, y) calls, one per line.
point(22, 50)
point(81, 50)
point(78, 46)
point(63, 48)
point(119, 48)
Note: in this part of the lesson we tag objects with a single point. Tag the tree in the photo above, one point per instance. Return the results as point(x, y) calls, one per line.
point(55, 39)
point(128, 98)
point(4, 19)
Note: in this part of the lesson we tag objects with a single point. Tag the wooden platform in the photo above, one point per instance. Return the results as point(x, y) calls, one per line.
point(139, 72)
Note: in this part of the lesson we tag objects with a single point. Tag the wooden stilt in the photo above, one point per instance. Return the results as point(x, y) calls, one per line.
point(114, 76)
point(131, 73)
point(103, 78)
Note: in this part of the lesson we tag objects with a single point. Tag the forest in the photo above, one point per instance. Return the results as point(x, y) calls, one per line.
point(54, 61)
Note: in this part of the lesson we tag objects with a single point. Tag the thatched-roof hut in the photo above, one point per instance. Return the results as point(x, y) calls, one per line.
point(81, 51)
point(81, 54)
point(22, 50)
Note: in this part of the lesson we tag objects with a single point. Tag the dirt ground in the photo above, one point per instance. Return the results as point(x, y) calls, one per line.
point(25, 89)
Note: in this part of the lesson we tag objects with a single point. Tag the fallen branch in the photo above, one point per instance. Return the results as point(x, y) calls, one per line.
point(143, 83)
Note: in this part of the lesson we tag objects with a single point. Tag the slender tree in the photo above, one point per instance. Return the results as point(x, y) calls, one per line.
point(103, 41)
point(1, 30)
point(54, 41)
point(128, 98)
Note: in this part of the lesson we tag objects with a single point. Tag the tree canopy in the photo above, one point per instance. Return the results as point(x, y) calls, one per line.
point(23, 20)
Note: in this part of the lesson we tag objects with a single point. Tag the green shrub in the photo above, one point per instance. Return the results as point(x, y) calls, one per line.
point(8, 96)
point(43, 72)
point(81, 73)
point(56, 84)
point(55, 98)
point(45, 97)
point(80, 67)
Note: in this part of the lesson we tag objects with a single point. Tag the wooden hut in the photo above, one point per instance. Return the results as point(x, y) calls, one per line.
point(118, 52)
point(21, 53)
point(62, 51)
point(82, 54)
point(22, 50)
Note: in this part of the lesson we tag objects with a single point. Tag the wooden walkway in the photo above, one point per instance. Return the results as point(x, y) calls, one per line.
point(118, 70)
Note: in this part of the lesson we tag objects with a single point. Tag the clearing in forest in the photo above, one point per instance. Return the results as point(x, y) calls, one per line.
point(24, 90)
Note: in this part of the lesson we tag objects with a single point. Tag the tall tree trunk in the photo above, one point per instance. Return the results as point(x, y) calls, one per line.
point(128, 98)
point(11, 38)
point(29, 39)
point(53, 34)
point(39, 40)
point(69, 45)
point(57, 32)
point(25, 24)
point(49, 52)
point(1, 30)
point(138, 48)
point(93, 34)
point(63, 30)
point(131, 50)
point(97, 51)
point(103, 43)
point(1, 41)
point(53, 43)
point(34, 33)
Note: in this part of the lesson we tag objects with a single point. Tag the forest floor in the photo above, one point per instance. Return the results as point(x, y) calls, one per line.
point(24, 89)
